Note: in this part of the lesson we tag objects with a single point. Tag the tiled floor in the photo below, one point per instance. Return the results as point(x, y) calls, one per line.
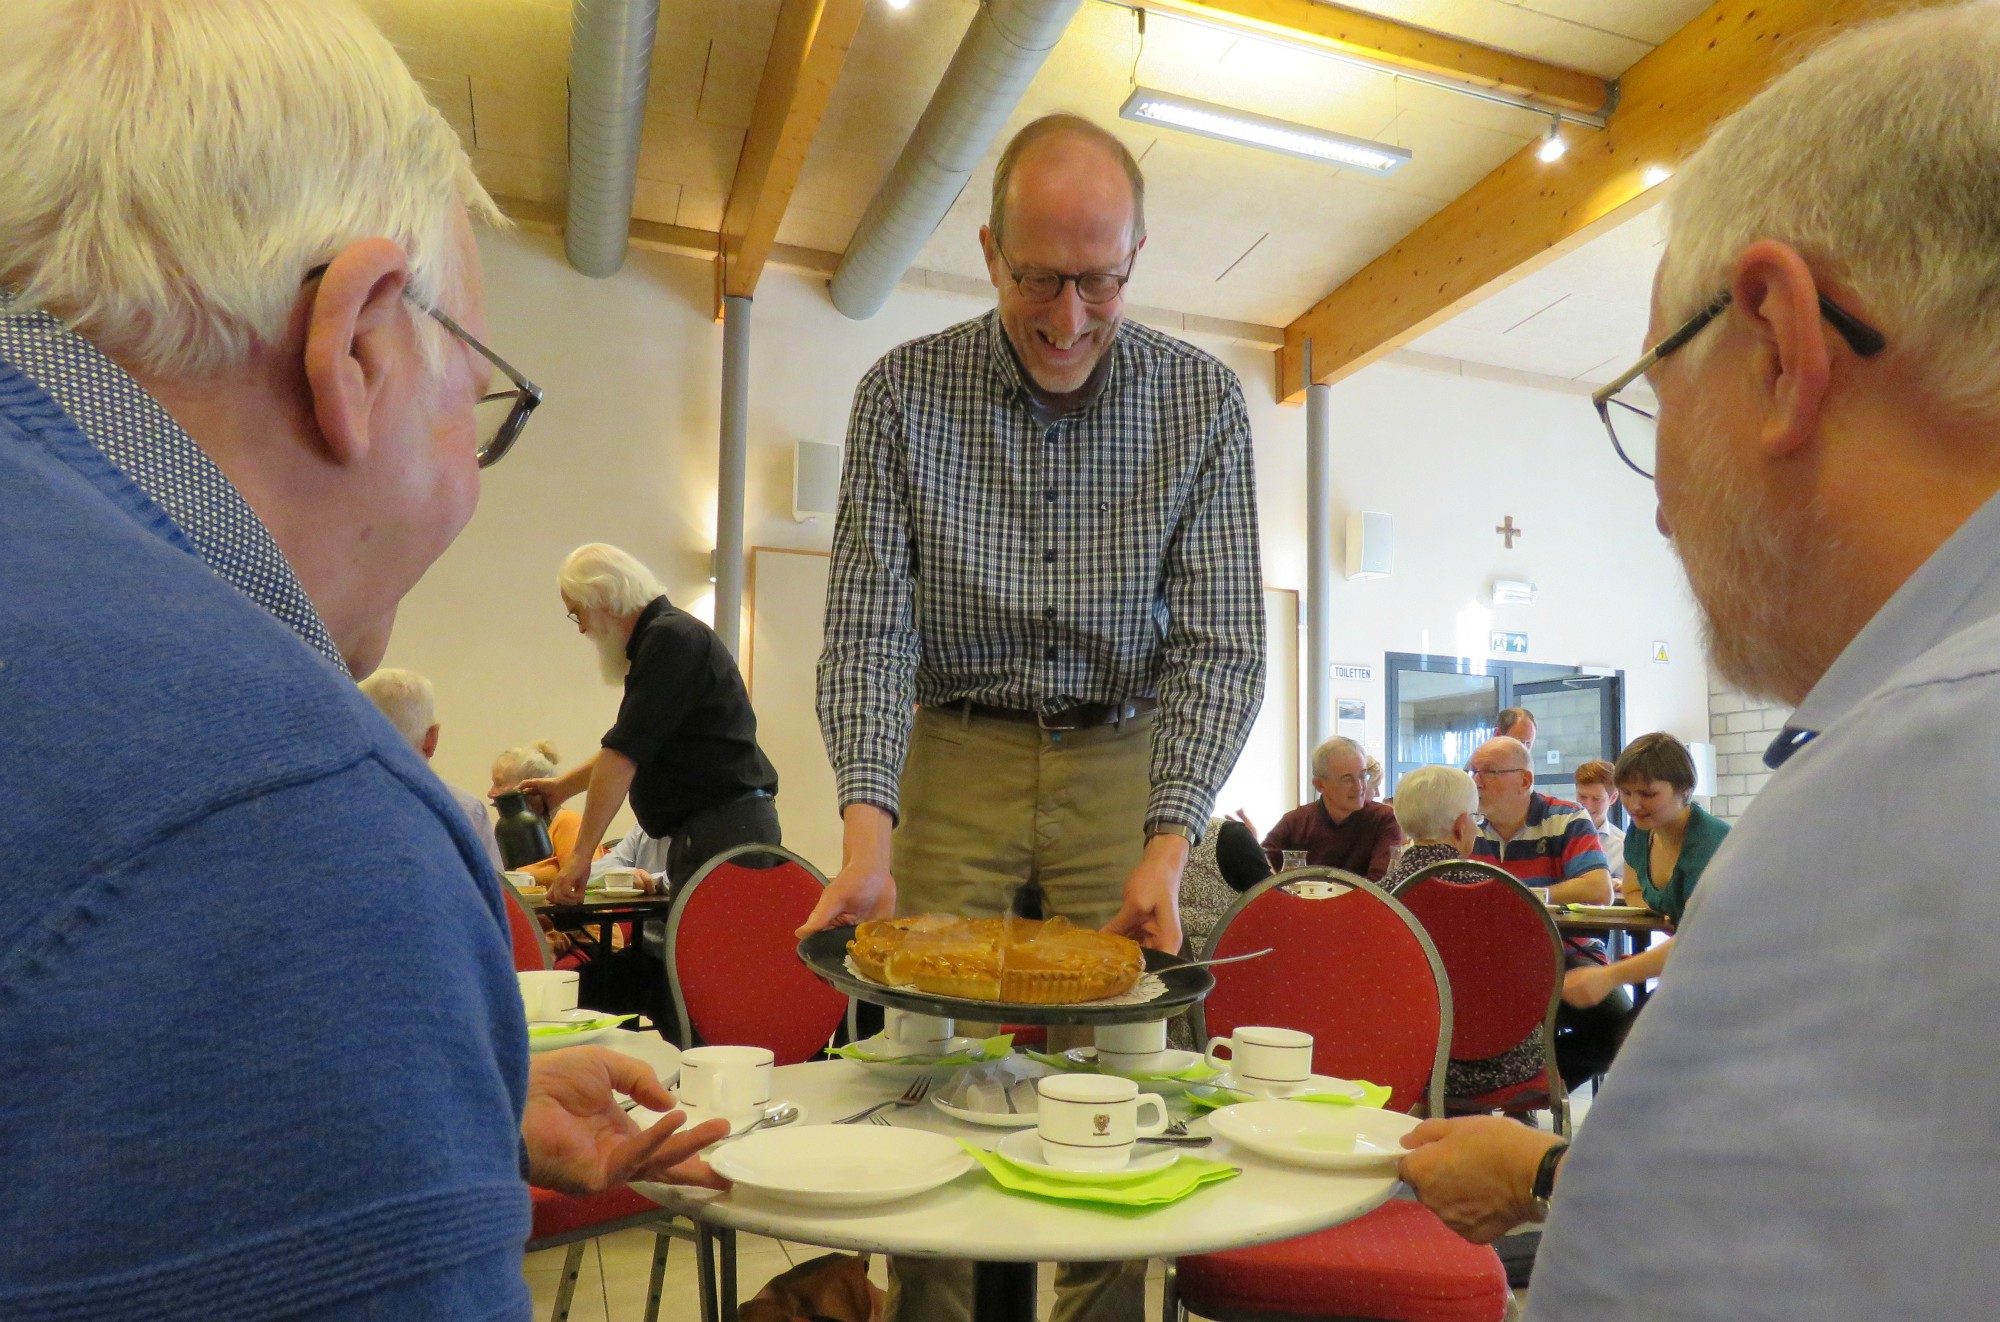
point(612, 1286)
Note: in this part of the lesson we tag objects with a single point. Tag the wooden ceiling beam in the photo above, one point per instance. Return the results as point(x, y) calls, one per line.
point(1385, 41)
point(1528, 212)
point(807, 51)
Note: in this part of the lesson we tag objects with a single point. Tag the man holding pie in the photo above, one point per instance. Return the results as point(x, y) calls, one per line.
point(1044, 630)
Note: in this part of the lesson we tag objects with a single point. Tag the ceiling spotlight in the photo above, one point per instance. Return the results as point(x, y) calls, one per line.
point(1146, 106)
point(1553, 146)
point(899, 4)
point(1656, 175)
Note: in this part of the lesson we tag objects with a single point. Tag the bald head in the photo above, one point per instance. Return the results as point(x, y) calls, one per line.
point(1064, 170)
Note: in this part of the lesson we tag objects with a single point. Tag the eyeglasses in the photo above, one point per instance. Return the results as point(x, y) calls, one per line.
point(499, 415)
point(1477, 774)
point(1634, 430)
point(1093, 287)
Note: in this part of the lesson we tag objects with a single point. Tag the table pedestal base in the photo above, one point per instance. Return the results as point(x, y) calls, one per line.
point(1003, 1292)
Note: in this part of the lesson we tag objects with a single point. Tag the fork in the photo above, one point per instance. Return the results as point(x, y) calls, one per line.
point(911, 1096)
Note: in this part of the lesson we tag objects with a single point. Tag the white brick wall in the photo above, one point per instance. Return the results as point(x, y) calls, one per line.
point(1740, 729)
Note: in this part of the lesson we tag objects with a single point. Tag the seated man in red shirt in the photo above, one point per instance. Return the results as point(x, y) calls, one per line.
point(1340, 829)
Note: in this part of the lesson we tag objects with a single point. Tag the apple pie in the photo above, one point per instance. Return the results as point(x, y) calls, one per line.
point(1018, 960)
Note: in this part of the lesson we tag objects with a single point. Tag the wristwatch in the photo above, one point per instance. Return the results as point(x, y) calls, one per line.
point(1544, 1187)
point(1180, 829)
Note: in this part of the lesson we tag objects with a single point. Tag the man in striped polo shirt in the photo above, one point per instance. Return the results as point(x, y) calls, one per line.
point(1550, 844)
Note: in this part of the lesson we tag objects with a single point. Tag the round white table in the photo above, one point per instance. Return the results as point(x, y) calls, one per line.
point(1006, 1234)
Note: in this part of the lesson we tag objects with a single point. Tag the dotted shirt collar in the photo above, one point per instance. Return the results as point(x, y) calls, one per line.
point(129, 427)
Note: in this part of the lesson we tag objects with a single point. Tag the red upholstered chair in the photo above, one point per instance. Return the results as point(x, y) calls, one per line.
point(561, 1220)
point(531, 946)
point(733, 962)
point(1504, 959)
point(1356, 971)
point(737, 979)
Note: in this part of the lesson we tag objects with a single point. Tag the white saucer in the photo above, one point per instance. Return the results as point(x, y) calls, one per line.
point(1172, 1062)
point(882, 1050)
point(992, 1119)
point(841, 1165)
point(1309, 1134)
point(1024, 1149)
point(554, 1041)
point(1314, 1083)
point(617, 892)
point(698, 1115)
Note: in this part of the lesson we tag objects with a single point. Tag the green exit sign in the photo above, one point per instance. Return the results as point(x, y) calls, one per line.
point(1510, 644)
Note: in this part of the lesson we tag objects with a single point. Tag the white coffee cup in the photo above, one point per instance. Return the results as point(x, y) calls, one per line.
point(520, 879)
point(1132, 1048)
point(731, 1082)
point(618, 879)
point(547, 993)
point(1265, 1060)
point(1088, 1122)
point(916, 1033)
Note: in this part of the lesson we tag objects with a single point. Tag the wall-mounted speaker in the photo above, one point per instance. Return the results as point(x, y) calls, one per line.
point(815, 480)
point(1371, 544)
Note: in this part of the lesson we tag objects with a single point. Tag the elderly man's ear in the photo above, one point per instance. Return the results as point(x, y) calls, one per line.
point(360, 345)
point(1778, 297)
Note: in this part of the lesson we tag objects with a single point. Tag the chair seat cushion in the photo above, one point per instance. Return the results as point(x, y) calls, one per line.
point(1399, 1263)
point(1527, 1095)
point(561, 1213)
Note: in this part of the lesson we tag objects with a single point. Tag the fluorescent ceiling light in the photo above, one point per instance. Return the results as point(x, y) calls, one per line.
point(1146, 106)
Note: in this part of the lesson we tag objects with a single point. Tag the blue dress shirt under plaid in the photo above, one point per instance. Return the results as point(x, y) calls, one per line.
point(986, 551)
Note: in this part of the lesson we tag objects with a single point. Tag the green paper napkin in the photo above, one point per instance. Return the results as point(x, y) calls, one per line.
point(1372, 1094)
point(542, 1032)
point(1199, 1072)
point(993, 1048)
point(1147, 1189)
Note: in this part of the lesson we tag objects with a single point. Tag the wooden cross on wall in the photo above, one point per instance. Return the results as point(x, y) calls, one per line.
point(1509, 531)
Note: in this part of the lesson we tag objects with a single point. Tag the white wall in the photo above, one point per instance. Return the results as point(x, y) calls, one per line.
point(624, 450)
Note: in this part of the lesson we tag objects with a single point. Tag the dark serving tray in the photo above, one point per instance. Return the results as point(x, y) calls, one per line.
point(825, 953)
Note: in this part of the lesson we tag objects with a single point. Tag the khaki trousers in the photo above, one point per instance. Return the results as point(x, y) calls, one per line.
point(988, 807)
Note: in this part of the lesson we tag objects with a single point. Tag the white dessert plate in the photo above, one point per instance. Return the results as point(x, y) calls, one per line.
point(550, 1041)
point(1025, 1150)
point(993, 1119)
point(618, 892)
point(841, 1165)
point(1313, 1134)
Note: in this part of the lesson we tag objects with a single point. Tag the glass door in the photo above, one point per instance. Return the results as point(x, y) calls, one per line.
point(1576, 720)
point(1439, 711)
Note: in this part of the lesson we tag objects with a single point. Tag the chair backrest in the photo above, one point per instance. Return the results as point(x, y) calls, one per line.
point(531, 948)
point(1354, 969)
point(1500, 950)
point(733, 962)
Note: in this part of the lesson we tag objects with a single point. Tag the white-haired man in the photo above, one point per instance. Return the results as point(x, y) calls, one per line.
point(684, 747)
point(235, 427)
point(1801, 1123)
point(409, 702)
point(1343, 828)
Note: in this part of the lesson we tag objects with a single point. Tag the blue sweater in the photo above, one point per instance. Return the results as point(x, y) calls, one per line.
point(261, 1050)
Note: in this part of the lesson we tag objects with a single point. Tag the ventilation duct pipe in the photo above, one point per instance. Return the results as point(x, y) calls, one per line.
point(1000, 55)
point(610, 65)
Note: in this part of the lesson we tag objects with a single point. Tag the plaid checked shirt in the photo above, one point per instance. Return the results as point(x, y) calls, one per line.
point(984, 553)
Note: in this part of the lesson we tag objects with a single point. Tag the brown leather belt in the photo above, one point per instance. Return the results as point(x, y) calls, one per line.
point(1083, 716)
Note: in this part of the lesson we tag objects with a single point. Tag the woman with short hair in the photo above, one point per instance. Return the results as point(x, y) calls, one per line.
point(1435, 806)
point(1670, 845)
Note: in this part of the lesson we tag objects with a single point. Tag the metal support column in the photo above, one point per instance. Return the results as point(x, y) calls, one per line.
point(730, 472)
point(1319, 558)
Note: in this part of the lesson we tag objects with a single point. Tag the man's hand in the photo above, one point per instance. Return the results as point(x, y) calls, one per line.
point(1476, 1173)
point(548, 788)
point(648, 883)
point(572, 879)
point(1151, 914)
point(581, 1141)
point(1588, 986)
point(863, 889)
point(1240, 816)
